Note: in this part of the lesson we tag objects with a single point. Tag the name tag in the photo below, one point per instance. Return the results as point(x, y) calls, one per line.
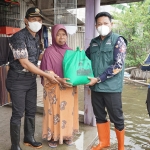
point(94, 44)
point(108, 42)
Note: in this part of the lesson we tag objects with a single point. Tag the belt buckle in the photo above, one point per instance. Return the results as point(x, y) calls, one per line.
point(25, 70)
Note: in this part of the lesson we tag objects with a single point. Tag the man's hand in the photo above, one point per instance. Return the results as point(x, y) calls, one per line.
point(52, 77)
point(32, 68)
point(92, 82)
point(63, 82)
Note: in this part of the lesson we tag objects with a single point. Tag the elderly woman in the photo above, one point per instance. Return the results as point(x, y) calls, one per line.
point(60, 121)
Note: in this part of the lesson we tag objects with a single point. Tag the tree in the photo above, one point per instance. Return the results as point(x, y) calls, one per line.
point(134, 25)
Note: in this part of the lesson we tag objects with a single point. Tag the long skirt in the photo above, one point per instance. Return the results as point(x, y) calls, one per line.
point(61, 119)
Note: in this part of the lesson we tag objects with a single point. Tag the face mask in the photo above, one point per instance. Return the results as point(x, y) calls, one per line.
point(35, 26)
point(103, 30)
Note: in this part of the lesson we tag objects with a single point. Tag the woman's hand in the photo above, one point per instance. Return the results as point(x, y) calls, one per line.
point(63, 82)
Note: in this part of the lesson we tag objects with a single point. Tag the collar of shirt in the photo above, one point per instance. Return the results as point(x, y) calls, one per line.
point(30, 35)
point(106, 35)
point(98, 38)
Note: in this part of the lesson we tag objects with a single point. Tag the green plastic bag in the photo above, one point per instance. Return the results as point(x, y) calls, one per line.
point(77, 67)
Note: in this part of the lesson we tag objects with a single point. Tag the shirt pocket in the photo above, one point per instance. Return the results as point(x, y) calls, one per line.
point(94, 53)
point(107, 54)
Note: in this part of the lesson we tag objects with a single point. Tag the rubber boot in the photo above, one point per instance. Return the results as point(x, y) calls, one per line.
point(29, 129)
point(104, 135)
point(15, 136)
point(120, 138)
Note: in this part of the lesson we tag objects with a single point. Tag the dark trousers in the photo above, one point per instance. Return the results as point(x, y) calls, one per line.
point(148, 101)
point(23, 94)
point(112, 102)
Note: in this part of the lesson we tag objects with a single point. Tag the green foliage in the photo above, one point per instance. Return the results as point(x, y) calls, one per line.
point(121, 7)
point(134, 25)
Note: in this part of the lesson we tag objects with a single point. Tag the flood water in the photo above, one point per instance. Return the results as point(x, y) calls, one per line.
point(137, 121)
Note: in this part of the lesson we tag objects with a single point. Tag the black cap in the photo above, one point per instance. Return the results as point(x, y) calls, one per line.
point(34, 12)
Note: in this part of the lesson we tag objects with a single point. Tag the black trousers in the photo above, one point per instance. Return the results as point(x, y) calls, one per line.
point(23, 94)
point(148, 101)
point(113, 103)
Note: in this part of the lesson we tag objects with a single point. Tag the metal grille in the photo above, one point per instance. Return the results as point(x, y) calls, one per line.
point(65, 12)
point(9, 14)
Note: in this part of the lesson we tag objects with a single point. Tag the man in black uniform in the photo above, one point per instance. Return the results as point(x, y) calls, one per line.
point(21, 78)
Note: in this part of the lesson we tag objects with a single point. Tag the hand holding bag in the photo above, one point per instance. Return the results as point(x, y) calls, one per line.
point(77, 67)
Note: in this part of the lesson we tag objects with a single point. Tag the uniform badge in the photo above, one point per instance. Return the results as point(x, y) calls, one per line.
point(94, 44)
point(109, 42)
point(37, 10)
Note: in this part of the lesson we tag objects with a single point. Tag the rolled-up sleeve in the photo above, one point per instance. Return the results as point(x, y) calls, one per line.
point(18, 47)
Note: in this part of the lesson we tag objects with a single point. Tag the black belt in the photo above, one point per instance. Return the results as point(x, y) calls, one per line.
point(23, 72)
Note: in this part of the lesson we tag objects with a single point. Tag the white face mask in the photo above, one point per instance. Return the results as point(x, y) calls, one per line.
point(34, 26)
point(103, 30)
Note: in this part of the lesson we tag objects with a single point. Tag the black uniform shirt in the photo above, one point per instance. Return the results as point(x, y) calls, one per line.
point(23, 45)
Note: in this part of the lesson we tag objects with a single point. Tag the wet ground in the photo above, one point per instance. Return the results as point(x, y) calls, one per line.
point(137, 123)
point(81, 140)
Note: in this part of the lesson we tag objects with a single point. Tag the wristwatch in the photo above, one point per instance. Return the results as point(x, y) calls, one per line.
point(98, 79)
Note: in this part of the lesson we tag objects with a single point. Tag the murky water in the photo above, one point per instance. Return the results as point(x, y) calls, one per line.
point(137, 121)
